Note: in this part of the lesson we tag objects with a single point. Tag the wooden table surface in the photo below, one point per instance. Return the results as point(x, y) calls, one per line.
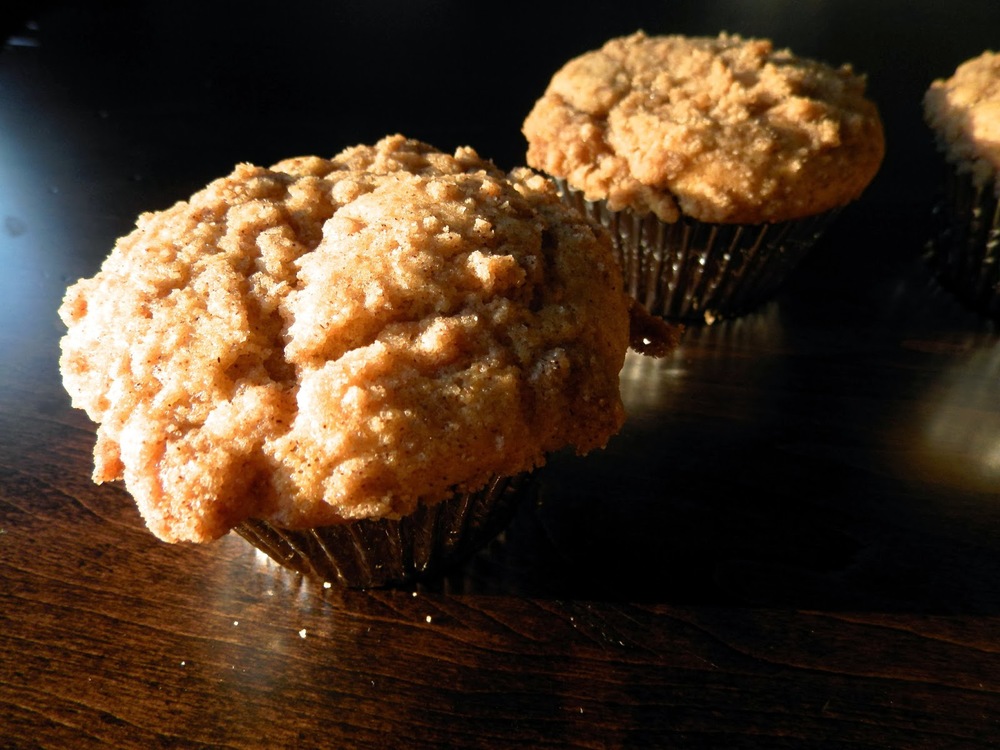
point(794, 542)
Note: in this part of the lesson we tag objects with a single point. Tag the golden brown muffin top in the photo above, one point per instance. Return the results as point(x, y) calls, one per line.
point(964, 112)
point(334, 339)
point(721, 129)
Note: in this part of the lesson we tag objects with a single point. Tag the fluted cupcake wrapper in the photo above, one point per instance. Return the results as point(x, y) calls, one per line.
point(696, 271)
point(964, 253)
point(387, 552)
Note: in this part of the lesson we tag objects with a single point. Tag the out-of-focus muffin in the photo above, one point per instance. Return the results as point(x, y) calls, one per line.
point(716, 162)
point(963, 111)
point(348, 360)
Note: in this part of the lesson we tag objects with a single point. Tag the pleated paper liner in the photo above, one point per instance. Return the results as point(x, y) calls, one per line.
point(694, 271)
point(387, 552)
point(964, 253)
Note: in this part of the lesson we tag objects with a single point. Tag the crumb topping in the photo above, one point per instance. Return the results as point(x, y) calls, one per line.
point(334, 339)
point(721, 129)
point(964, 112)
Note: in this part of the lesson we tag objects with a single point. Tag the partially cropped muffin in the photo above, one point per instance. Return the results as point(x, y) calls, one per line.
point(334, 352)
point(716, 162)
point(963, 111)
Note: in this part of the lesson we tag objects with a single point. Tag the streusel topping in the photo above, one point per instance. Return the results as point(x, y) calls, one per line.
point(964, 112)
point(721, 129)
point(334, 339)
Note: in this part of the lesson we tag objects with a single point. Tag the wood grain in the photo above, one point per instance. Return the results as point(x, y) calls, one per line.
point(114, 639)
point(793, 543)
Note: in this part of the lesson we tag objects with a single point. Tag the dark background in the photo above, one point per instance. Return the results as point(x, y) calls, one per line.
point(183, 90)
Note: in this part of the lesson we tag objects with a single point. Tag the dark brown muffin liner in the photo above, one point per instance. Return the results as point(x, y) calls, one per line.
point(387, 552)
point(695, 271)
point(964, 253)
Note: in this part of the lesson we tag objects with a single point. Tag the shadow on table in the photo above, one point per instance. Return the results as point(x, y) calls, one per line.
point(853, 471)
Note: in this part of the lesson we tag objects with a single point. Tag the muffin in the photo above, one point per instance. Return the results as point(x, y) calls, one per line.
point(963, 112)
point(716, 163)
point(351, 361)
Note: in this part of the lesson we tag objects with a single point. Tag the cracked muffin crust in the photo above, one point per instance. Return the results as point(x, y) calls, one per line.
point(725, 129)
point(337, 339)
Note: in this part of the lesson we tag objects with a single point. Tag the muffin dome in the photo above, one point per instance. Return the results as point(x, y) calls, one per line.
point(964, 113)
point(336, 339)
point(724, 129)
